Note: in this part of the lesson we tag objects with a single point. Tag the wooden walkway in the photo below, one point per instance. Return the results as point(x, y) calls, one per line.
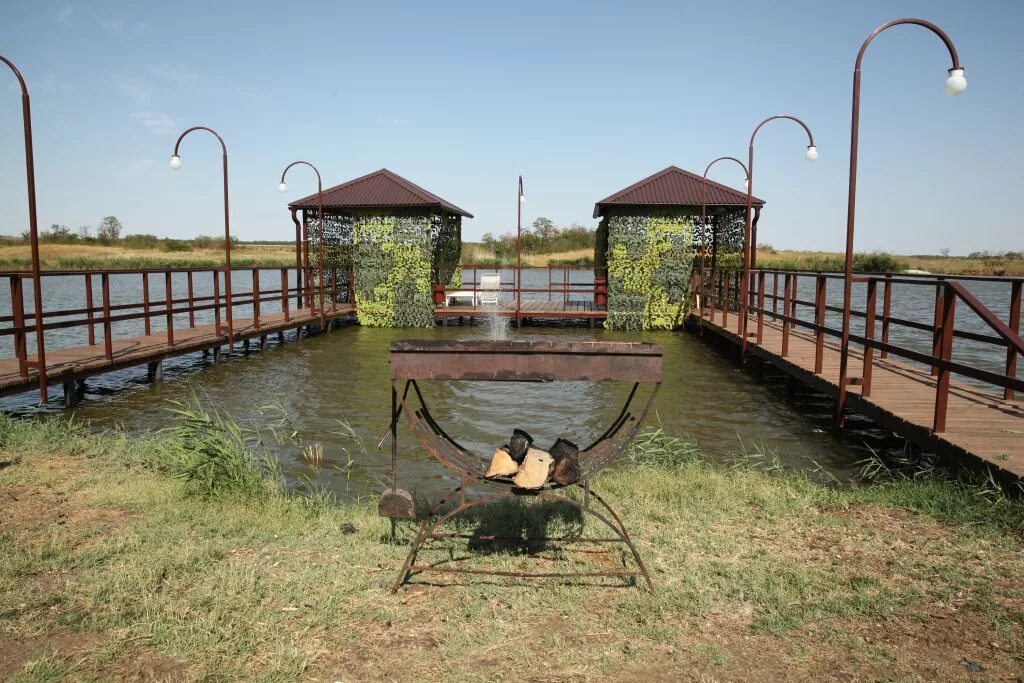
point(530, 308)
point(71, 364)
point(980, 425)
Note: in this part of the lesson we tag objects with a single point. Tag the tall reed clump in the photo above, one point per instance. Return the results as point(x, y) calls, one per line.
point(213, 455)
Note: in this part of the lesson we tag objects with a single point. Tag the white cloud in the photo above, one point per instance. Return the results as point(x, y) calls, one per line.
point(158, 123)
point(136, 89)
point(180, 76)
point(64, 14)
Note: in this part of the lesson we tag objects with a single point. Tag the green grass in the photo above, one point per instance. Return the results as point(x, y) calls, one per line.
point(178, 553)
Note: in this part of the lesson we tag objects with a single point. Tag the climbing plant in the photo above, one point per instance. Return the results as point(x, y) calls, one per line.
point(650, 261)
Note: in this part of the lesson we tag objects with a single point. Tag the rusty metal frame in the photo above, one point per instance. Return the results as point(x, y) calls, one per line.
point(470, 468)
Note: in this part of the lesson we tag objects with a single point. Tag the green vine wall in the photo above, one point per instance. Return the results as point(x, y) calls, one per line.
point(650, 261)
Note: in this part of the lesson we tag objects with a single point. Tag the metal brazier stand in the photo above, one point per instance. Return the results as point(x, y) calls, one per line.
point(518, 361)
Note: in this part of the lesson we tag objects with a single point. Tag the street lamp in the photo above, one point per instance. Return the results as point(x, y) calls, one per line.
point(320, 217)
point(33, 232)
point(176, 164)
point(521, 198)
point(954, 85)
point(748, 248)
point(704, 222)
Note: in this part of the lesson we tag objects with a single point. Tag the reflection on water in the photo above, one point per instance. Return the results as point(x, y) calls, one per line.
point(341, 378)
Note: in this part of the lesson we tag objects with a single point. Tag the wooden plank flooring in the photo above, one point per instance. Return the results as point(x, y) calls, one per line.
point(63, 365)
point(979, 424)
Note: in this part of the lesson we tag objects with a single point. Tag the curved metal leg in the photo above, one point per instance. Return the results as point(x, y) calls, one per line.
point(629, 541)
point(418, 539)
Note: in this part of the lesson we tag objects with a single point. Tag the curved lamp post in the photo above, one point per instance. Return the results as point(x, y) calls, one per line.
point(704, 222)
point(33, 228)
point(176, 164)
point(519, 247)
point(320, 217)
point(955, 84)
point(748, 258)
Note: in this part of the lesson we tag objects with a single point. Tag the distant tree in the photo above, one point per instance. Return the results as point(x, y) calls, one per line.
point(57, 233)
point(944, 252)
point(109, 230)
point(84, 231)
point(544, 228)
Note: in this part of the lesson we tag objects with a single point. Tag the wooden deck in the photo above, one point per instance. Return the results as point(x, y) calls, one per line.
point(980, 425)
point(70, 364)
point(554, 308)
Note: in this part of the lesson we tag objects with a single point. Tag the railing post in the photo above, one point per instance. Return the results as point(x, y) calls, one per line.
point(145, 299)
point(191, 303)
point(725, 301)
point(948, 306)
point(1011, 353)
point(775, 295)
point(742, 305)
point(937, 324)
point(256, 297)
point(334, 290)
point(108, 342)
point(216, 301)
point(18, 312)
point(819, 323)
point(886, 308)
point(168, 300)
point(760, 306)
point(869, 335)
point(88, 305)
point(284, 295)
point(786, 324)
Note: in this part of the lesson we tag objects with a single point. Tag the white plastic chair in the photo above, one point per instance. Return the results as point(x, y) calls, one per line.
point(490, 288)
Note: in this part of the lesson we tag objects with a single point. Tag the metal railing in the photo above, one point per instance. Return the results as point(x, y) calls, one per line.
point(559, 281)
point(99, 317)
point(719, 300)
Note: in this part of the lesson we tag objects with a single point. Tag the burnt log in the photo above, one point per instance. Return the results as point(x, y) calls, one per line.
point(566, 468)
point(519, 444)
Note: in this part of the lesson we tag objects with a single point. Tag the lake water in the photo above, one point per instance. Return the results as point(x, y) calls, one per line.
point(334, 390)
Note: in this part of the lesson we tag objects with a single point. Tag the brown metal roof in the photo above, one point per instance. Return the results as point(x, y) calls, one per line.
point(376, 190)
point(675, 187)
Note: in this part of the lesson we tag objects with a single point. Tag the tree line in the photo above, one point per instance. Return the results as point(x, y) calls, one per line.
point(109, 233)
point(543, 237)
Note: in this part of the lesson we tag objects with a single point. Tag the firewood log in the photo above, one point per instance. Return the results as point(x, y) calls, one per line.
point(534, 471)
point(519, 444)
point(566, 468)
point(502, 464)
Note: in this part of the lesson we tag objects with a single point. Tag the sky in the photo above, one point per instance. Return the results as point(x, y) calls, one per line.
point(581, 98)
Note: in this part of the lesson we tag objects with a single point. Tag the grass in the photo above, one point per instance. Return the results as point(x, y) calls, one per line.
point(121, 556)
point(83, 256)
point(833, 261)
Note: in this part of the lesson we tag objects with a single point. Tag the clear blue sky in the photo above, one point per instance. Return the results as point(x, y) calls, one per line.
point(582, 98)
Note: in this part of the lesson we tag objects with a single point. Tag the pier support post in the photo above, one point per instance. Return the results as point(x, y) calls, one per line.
point(263, 341)
point(70, 394)
point(216, 354)
point(155, 370)
point(245, 345)
point(280, 337)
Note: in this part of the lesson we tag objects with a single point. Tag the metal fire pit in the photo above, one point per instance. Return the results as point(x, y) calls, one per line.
point(518, 361)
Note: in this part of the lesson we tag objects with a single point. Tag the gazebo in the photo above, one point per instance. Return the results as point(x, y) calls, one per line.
point(649, 236)
point(392, 235)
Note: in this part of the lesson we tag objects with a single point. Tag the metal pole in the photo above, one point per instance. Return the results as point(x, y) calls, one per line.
point(851, 204)
point(33, 229)
point(748, 230)
point(519, 249)
point(704, 215)
point(320, 218)
point(227, 222)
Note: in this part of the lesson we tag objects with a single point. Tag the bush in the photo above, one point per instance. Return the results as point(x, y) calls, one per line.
point(175, 245)
point(141, 242)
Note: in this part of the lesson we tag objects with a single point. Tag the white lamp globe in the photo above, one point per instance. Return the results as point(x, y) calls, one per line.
point(812, 153)
point(956, 83)
point(522, 198)
point(282, 188)
point(175, 162)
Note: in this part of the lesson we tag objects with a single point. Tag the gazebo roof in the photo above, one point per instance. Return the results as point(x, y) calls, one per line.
point(675, 187)
point(376, 190)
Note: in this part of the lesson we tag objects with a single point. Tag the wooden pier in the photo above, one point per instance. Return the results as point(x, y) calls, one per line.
point(910, 392)
point(540, 309)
